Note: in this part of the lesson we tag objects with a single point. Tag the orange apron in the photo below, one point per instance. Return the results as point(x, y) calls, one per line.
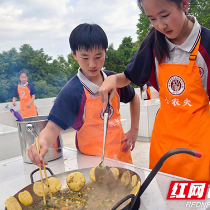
point(90, 136)
point(183, 120)
point(25, 98)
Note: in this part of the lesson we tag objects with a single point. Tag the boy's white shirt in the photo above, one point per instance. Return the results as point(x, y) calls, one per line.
point(92, 88)
point(179, 54)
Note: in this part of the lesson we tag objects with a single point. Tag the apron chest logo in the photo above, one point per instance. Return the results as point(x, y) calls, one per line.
point(176, 85)
point(22, 93)
point(201, 71)
point(111, 112)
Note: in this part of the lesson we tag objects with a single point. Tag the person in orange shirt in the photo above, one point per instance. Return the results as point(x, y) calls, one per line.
point(26, 92)
point(174, 57)
point(79, 105)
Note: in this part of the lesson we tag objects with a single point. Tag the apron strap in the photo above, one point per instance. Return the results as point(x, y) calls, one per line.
point(88, 96)
point(193, 57)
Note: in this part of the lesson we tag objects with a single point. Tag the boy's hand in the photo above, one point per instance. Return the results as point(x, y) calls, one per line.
point(28, 105)
point(34, 156)
point(130, 139)
point(14, 103)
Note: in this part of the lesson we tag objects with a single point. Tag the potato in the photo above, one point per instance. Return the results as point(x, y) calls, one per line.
point(25, 198)
point(55, 184)
point(115, 172)
point(136, 188)
point(37, 188)
point(12, 204)
point(75, 181)
point(133, 181)
point(125, 178)
point(92, 174)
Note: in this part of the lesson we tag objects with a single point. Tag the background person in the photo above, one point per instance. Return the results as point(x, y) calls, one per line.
point(26, 93)
point(145, 91)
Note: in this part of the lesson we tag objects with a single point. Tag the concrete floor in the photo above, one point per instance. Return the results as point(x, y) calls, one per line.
point(140, 154)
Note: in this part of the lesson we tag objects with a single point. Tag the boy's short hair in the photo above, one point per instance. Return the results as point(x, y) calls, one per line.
point(87, 36)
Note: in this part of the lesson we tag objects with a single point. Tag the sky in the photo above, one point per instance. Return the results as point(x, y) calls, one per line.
point(47, 24)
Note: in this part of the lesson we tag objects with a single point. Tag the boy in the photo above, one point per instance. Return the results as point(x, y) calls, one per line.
point(79, 105)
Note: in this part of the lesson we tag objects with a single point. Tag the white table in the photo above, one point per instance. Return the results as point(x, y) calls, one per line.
point(14, 176)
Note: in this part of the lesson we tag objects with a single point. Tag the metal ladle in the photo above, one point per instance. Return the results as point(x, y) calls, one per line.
point(103, 174)
point(31, 129)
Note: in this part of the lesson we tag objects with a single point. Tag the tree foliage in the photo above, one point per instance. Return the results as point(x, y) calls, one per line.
point(143, 27)
point(50, 75)
point(200, 9)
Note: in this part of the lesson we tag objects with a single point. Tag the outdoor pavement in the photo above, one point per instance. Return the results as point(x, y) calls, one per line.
point(140, 154)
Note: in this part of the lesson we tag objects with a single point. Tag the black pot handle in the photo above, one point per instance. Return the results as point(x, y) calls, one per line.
point(33, 172)
point(132, 196)
point(162, 160)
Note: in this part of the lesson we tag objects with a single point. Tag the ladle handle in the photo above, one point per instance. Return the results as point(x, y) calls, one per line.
point(106, 118)
point(162, 160)
point(156, 169)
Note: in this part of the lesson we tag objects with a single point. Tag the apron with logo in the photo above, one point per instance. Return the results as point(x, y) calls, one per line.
point(183, 120)
point(25, 98)
point(90, 135)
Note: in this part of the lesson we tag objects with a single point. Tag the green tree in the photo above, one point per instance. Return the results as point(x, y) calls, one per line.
point(73, 64)
point(143, 27)
point(113, 60)
point(200, 9)
point(125, 50)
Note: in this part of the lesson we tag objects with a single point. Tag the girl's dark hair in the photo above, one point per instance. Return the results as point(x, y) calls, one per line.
point(87, 36)
point(22, 72)
point(161, 47)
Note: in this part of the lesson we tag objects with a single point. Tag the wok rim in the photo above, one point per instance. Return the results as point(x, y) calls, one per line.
point(78, 170)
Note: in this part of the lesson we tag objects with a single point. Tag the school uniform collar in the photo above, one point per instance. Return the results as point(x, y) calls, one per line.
point(191, 41)
point(91, 87)
point(23, 86)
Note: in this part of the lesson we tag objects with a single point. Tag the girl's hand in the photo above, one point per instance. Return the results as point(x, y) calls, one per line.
point(28, 105)
point(14, 103)
point(34, 156)
point(130, 139)
point(108, 86)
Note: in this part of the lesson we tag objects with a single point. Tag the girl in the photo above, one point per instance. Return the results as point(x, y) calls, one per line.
point(26, 92)
point(175, 58)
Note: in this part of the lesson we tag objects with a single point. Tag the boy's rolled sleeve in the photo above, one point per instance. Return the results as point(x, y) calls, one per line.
point(66, 107)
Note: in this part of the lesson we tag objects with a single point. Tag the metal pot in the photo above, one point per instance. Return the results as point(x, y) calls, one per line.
point(27, 138)
point(135, 200)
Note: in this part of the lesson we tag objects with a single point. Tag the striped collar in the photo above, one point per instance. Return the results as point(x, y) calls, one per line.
point(191, 41)
point(91, 87)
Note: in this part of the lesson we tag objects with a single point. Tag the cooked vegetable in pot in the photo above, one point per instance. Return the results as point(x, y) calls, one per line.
point(25, 198)
point(92, 196)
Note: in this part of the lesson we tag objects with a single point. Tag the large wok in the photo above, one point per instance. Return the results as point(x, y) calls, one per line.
point(135, 200)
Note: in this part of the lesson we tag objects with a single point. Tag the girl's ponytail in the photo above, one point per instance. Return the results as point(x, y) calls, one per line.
point(160, 45)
